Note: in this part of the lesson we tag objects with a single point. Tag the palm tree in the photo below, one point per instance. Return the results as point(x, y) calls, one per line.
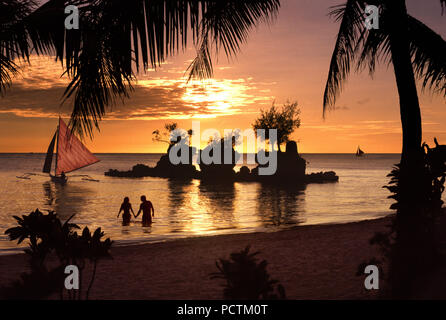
point(116, 38)
point(413, 49)
point(411, 46)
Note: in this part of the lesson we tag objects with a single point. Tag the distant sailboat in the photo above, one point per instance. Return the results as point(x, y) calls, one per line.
point(359, 152)
point(71, 154)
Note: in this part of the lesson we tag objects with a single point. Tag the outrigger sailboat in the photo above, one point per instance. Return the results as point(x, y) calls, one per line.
point(359, 152)
point(71, 154)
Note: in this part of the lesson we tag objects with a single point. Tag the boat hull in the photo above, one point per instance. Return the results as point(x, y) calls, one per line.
point(57, 179)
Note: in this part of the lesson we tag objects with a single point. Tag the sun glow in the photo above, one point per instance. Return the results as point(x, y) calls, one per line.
point(216, 97)
point(207, 99)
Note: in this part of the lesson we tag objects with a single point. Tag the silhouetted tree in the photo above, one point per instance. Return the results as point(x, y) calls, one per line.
point(411, 46)
point(414, 50)
point(116, 35)
point(286, 120)
point(170, 130)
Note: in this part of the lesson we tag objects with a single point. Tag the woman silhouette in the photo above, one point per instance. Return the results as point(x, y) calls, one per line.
point(126, 206)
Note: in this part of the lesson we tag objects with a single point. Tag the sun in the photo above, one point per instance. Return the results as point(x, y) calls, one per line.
point(214, 98)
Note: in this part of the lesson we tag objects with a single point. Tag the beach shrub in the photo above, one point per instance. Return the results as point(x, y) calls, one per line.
point(411, 245)
point(46, 235)
point(246, 278)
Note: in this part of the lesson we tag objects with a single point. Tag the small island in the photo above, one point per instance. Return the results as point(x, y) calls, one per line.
point(291, 167)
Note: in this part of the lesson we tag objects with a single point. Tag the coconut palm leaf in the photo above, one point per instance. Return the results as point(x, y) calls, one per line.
point(356, 44)
point(428, 51)
point(226, 25)
point(350, 31)
point(120, 37)
point(13, 39)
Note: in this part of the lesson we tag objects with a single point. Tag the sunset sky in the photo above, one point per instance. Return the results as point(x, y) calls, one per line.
point(286, 60)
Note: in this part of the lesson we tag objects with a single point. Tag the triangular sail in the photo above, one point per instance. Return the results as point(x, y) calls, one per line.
point(49, 155)
point(71, 153)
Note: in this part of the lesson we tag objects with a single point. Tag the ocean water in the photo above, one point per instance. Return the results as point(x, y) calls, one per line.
point(189, 209)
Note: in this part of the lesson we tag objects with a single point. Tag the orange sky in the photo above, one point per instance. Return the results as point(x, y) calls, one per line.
point(287, 60)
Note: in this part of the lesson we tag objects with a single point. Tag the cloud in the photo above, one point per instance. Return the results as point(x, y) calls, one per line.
point(38, 93)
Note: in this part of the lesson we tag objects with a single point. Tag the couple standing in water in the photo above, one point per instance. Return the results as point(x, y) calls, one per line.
point(146, 207)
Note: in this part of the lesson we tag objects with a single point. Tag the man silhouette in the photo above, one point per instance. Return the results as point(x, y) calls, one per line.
point(147, 211)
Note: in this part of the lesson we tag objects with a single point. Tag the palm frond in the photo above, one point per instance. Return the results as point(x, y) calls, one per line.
point(428, 51)
point(13, 38)
point(374, 46)
point(120, 34)
point(226, 25)
point(7, 69)
point(350, 31)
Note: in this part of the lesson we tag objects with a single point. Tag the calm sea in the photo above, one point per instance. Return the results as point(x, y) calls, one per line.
point(187, 209)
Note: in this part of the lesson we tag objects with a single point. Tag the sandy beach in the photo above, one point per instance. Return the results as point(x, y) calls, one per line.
point(312, 262)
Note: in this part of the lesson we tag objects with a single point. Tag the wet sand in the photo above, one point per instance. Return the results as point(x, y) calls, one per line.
point(311, 262)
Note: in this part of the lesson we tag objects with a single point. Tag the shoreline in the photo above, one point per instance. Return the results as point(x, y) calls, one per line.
point(142, 242)
point(312, 262)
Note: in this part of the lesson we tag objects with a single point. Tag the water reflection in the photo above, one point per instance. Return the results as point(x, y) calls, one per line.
point(147, 229)
point(65, 199)
point(217, 200)
point(191, 208)
point(178, 190)
point(280, 205)
point(125, 230)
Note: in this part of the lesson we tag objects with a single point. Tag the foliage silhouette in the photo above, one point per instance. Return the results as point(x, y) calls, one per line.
point(246, 279)
point(285, 120)
point(116, 37)
point(401, 40)
point(411, 246)
point(414, 50)
point(46, 235)
point(171, 130)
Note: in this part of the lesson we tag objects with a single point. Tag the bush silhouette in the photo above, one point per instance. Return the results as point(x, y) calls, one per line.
point(246, 278)
point(47, 234)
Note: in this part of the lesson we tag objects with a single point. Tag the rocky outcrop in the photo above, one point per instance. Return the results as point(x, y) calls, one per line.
point(321, 177)
point(290, 168)
point(219, 171)
point(163, 169)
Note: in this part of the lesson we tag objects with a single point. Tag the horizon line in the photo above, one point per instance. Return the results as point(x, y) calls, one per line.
point(31, 152)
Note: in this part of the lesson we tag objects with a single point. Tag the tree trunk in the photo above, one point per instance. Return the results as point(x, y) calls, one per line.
point(410, 253)
point(405, 80)
point(412, 176)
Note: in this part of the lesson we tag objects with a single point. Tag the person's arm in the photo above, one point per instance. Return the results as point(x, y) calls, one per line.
point(132, 210)
point(153, 209)
point(119, 211)
point(139, 211)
